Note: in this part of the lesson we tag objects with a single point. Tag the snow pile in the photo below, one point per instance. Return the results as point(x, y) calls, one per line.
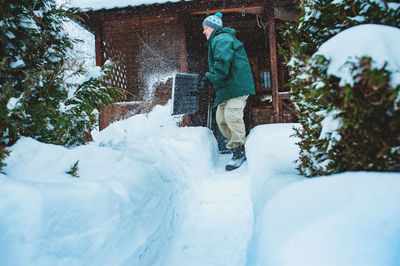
point(348, 219)
point(122, 210)
point(271, 151)
point(339, 220)
point(379, 42)
point(151, 193)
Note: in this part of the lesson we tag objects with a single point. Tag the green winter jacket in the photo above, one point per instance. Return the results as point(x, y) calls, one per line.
point(229, 68)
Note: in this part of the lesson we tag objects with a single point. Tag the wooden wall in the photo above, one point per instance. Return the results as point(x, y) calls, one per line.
point(162, 45)
point(150, 46)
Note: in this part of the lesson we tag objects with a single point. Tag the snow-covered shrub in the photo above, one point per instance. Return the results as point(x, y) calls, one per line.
point(330, 109)
point(39, 97)
point(358, 125)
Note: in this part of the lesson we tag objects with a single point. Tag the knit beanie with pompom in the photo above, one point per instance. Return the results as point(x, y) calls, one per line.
point(213, 21)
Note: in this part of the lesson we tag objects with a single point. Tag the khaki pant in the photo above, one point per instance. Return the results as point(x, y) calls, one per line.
point(229, 118)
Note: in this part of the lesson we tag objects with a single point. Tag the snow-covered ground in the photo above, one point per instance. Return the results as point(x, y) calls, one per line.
point(151, 193)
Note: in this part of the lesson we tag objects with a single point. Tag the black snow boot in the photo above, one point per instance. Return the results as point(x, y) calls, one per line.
point(238, 158)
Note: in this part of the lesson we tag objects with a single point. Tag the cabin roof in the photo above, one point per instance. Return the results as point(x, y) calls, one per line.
point(107, 5)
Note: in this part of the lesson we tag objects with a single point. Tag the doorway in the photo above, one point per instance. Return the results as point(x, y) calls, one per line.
point(255, 40)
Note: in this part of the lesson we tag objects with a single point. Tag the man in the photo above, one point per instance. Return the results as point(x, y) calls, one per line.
point(232, 79)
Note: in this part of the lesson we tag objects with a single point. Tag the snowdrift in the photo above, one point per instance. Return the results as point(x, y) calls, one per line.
point(122, 210)
point(151, 193)
point(346, 219)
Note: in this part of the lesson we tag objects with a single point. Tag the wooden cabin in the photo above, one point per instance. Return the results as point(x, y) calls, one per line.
point(151, 42)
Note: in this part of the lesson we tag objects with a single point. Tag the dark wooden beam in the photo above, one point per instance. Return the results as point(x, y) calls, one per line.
point(282, 72)
point(281, 12)
point(182, 42)
point(274, 63)
point(99, 45)
point(247, 9)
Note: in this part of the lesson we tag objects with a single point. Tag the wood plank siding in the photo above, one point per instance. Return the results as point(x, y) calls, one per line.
point(155, 41)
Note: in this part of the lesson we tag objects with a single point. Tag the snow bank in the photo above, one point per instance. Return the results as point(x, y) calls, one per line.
point(122, 210)
point(339, 220)
point(348, 219)
point(151, 193)
point(379, 42)
point(270, 152)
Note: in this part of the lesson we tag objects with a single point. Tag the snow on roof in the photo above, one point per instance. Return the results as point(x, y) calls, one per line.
point(100, 4)
point(379, 42)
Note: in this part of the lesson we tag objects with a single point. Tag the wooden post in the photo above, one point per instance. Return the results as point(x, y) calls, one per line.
point(99, 49)
point(182, 40)
point(187, 119)
point(282, 82)
point(274, 63)
point(99, 45)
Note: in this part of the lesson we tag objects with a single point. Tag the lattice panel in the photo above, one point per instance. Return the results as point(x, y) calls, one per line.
point(119, 76)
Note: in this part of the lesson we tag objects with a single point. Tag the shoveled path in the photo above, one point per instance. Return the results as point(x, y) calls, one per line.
point(218, 220)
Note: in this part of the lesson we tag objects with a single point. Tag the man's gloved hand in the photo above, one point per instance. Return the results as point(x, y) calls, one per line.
point(205, 84)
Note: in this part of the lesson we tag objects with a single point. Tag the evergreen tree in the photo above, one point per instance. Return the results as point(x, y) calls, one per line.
point(39, 96)
point(311, 90)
